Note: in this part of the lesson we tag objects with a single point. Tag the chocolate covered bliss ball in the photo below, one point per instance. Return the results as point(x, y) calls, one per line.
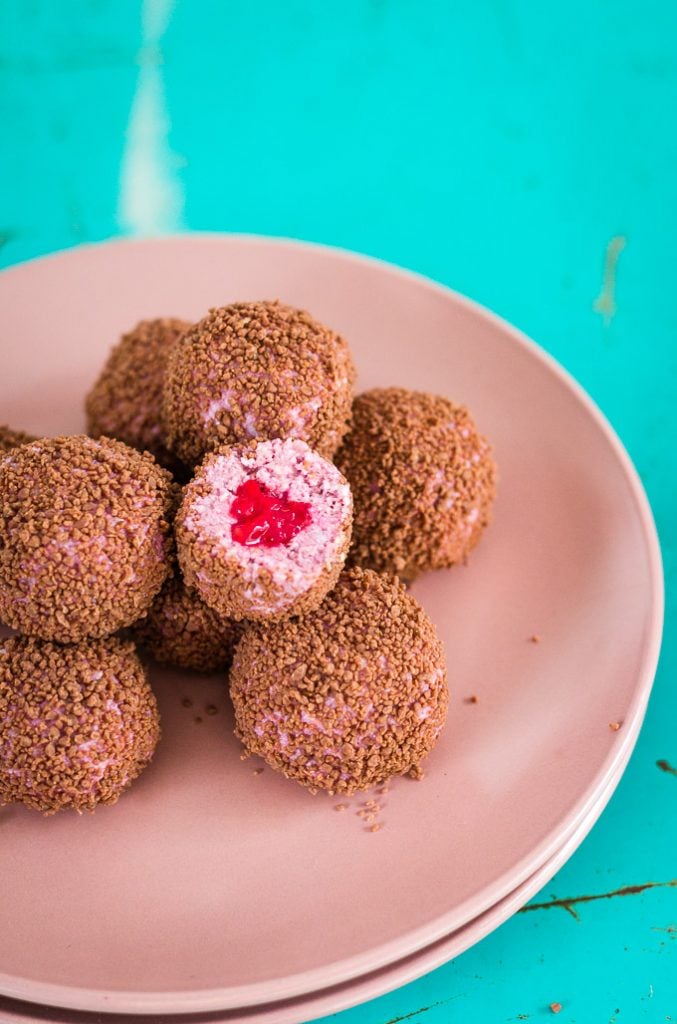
point(345, 696)
point(126, 400)
point(83, 536)
point(257, 370)
point(13, 438)
point(78, 723)
point(181, 630)
point(423, 481)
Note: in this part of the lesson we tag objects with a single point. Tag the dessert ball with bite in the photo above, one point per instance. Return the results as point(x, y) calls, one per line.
point(257, 370)
point(13, 438)
point(423, 481)
point(83, 536)
point(263, 529)
point(181, 630)
point(126, 400)
point(78, 723)
point(348, 695)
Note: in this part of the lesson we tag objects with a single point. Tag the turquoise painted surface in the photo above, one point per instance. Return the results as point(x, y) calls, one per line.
point(497, 146)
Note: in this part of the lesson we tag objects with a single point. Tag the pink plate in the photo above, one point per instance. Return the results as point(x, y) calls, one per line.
point(350, 993)
point(209, 887)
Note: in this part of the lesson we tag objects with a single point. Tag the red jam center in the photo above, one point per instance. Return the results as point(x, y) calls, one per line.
point(266, 519)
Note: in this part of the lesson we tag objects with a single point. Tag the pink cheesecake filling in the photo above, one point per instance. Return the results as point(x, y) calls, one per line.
point(291, 471)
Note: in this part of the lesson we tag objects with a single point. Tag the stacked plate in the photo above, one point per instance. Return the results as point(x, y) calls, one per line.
point(217, 892)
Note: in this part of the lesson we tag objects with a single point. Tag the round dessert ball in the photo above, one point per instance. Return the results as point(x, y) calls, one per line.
point(181, 630)
point(257, 370)
point(347, 696)
point(423, 481)
point(263, 529)
point(78, 723)
point(83, 536)
point(126, 399)
point(13, 438)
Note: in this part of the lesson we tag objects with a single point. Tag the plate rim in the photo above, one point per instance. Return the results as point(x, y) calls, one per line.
point(430, 959)
point(274, 990)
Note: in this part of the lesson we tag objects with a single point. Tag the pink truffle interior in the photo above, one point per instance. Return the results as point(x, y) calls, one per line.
point(286, 467)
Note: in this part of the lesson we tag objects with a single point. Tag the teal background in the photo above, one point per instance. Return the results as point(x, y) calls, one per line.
point(498, 146)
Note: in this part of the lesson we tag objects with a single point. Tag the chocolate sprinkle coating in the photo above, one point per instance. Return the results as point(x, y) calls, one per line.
point(77, 723)
point(181, 630)
point(83, 536)
point(257, 370)
point(423, 481)
point(348, 695)
point(13, 438)
point(126, 400)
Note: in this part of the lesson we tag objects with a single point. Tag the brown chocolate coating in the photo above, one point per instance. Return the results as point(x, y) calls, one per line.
point(83, 536)
point(180, 629)
point(348, 695)
point(13, 438)
point(257, 370)
point(126, 400)
point(78, 723)
point(423, 481)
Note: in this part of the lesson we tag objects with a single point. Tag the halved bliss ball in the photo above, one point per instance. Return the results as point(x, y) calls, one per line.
point(264, 529)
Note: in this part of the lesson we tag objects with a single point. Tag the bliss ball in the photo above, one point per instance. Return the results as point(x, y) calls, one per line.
point(83, 536)
point(348, 695)
point(263, 529)
point(13, 438)
point(423, 481)
point(126, 400)
point(181, 630)
point(78, 723)
point(257, 370)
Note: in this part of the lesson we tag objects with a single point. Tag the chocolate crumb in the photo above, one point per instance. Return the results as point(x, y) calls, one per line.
point(258, 771)
point(555, 1007)
point(187, 702)
point(472, 699)
point(212, 709)
point(198, 719)
point(534, 638)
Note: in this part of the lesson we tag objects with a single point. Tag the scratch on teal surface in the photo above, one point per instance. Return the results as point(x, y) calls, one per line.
point(625, 890)
point(415, 1013)
point(605, 303)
